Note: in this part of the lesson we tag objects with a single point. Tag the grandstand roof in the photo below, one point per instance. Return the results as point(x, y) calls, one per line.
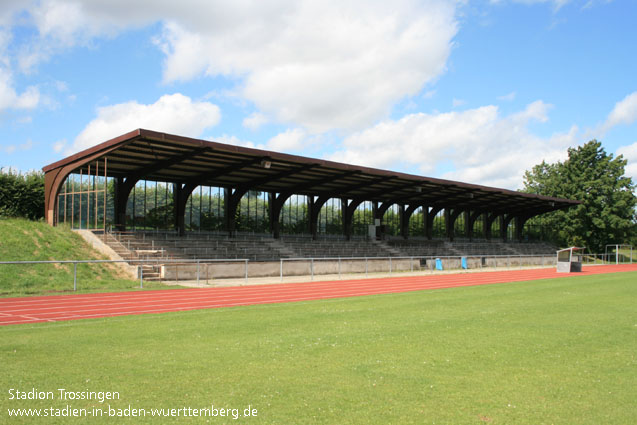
point(150, 155)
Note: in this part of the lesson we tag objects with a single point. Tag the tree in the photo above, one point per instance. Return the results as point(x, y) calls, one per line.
point(22, 195)
point(607, 214)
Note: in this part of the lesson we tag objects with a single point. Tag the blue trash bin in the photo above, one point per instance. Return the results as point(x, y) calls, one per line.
point(438, 264)
point(463, 262)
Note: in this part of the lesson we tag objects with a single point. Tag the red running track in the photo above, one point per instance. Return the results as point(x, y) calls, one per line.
point(88, 306)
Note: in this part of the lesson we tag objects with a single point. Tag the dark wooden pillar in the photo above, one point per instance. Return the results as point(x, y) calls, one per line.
point(314, 213)
point(276, 205)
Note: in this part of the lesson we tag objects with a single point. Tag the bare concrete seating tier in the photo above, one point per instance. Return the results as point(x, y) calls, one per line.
point(157, 246)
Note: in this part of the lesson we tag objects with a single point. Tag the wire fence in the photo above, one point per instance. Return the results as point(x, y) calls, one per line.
point(204, 272)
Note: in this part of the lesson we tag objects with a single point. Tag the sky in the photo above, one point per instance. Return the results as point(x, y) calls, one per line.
point(476, 91)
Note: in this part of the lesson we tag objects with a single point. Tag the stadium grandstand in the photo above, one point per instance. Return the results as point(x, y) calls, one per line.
point(152, 194)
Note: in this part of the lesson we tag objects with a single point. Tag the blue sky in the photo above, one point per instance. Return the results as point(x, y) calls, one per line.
point(477, 91)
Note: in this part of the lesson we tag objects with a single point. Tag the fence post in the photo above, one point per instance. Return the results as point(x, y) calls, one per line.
point(141, 275)
point(281, 270)
point(197, 272)
point(75, 276)
point(312, 268)
point(339, 268)
point(389, 265)
point(247, 270)
point(365, 266)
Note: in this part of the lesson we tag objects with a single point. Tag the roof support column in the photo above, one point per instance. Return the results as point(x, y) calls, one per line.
point(310, 209)
point(450, 221)
point(404, 221)
point(520, 221)
point(315, 209)
point(489, 219)
point(276, 205)
point(271, 201)
point(405, 217)
point(467, 226)
point(430, 221)
point(472, 222)
point(346, 217)
point(119, 204)
point(181, 195)
point(180, 209)
point(123, 189)
point(348, 214)
point(506, 220)
point(50, 199)
point(380, 213)
point(228, 212)
point(425, 221)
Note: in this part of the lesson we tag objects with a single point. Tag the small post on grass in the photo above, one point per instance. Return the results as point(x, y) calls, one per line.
point(75, 276)
point(141, 276)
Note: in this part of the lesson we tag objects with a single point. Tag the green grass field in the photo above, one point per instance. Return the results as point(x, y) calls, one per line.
point(24, 240)
point(560, 351)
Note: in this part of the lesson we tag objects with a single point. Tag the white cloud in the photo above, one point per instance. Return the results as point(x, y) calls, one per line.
point(234, 140)
point(630, 153)
point(63, 24)
point(171, 114)
point(321, 65)
point(59, 145)
point(624, 112)
point(429, 94)
point(481, 145)
point(458, 102)
point(557, 4)
point(507, 97)
point(255, 121)
point(26, 146)
point(535, 111)
point(10, 99)
point(289, 140)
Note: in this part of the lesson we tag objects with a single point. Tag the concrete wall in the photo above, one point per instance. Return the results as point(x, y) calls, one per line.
point(306, 267)
point(218, 270)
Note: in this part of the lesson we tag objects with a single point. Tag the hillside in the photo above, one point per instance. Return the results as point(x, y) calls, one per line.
point(24, 240)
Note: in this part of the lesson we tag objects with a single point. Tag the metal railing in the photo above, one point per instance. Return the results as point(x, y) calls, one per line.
point(366, 266)
point(140, 265)
point(200, 271)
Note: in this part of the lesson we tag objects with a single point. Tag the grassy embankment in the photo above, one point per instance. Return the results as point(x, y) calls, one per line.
point(24, 240)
